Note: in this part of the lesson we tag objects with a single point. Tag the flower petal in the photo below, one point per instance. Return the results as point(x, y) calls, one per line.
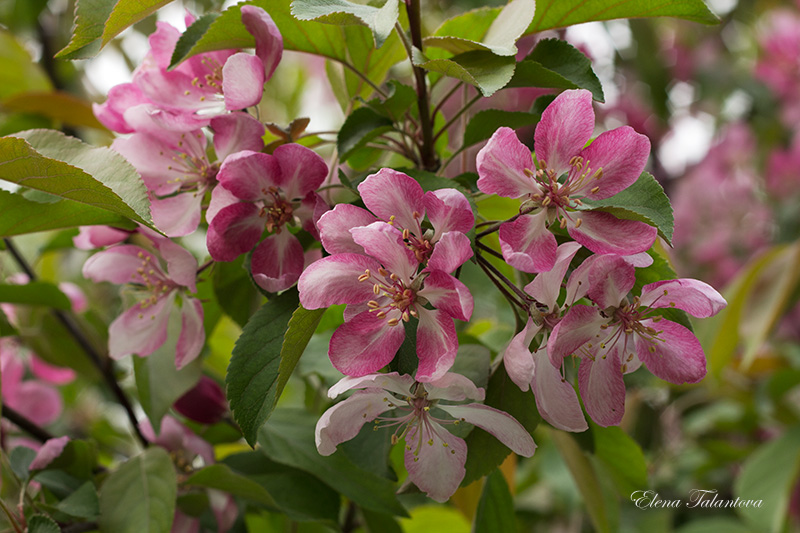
point(603, 389)
point(556, 399)
point(235, 132)
point(181, 264)
point(234, 231)
point(56, 375)
point(390, 193)
point(448, 294)
point(504, 165)
point(502, 425)
point(621, 154)
point(676, 356)
point(302, 169)
point(111, 113)
point(385, 243)
point(49, 451)
point(335, 225)
point(455, 388)
point(448, 210)
point(220, 199)
point(603, 233)
point(155, 161)
point(242, 81)
point(610, 278)
point(334, 280)
point(391, 381)
point(437, 344)
point(546, 286)
point(365, 344)
point(140, 330)
point(527, 245)
point(177, 215)
point(39, 403)
point(581, 325)
point(450, 252)
point(120, 264)
point(250, 175)
point(566, 125)
point(193, 336)
point(517, 356)
point(693, 296)
point(435, 460)
point(269, 43)
point(344, 420)
point(91, 237)
point(277, 262)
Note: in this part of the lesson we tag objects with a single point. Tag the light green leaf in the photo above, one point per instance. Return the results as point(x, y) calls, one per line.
point(485, 70)
point(83, 503)
point(139, 497)
point(769, 475)
point(623, 457)
point(496, 507)
point(644, 201)
point(221, 477)
point(18, 73)
point(90, 21)
point(49, 161)
point(500, 35)
point(126, 13)
point(288, 438)
point(34, 293)
point(363, 125)
point(341, 12)
point(56, 105)
point(484, 123)
point(21, 215)
point(557, 64)
point(365, 58)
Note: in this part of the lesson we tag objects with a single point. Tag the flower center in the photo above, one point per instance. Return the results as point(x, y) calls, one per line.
point(393, 296)
point(152, 281)
point(278, 212)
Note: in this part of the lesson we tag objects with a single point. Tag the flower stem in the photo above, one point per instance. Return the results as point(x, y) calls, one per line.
point(430, 161)
point(524, 297)
point(494, 227)
point(26, 425)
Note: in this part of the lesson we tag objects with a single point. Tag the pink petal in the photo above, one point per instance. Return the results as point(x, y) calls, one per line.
point(546, 286)
point(603, 233)
point(174, 91)
point(693, 296)
point(676, 356)
point(448, 210)
point(140, 330)
point(150, 118)
point(56, 375)
point(234, 231)
point(390, 193)
point(435, 460)
point(250, 175)
point(450, 252)
point(39, 403)
point(242, 81)
point(120, 264)
point(225, 509)
point(181, 264)
point(235, 132)
point(566, 125)
point(302, 169)
point(527, 245)
point(448, 294)
point(334, 280)
point(622, 154)
point(193, 336)
point(49, 451)
point(610, 280)
point(120, 97)
point(517, 356)
point(77, 298)
point(277, 262)
point(455, 388)
point(12, 368)
point(581, 325)
point(391, 381)
point(335, 225)
point(502, 166)
point(603, 389)
point(220, 199)
point(157, 163)
point(204, 403)
point(640, 260)
point(91, 237)
point(177, 215)
point(344, 420)
point(437, 344)
point(556, 399)
point(162, 43)
point(502, 425)
point(365, 344)
point(269, 43)
point(385, 243)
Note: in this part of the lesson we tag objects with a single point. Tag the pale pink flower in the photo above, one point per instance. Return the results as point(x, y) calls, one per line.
point(611, 163)
point(92, 237)
point(434, 457)
point(38, 402)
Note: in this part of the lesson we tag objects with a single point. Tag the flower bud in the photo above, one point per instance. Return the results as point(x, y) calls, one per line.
point(205, 403)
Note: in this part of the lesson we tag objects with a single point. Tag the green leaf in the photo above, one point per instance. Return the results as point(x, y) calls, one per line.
point(363, 125)
point(34, 293)
point(484, 123)
point(265, 356)
point(623, 457)
point(158, 382)
point(496, 506)
point(644, 201)
point(714, 525)
point(484, 451)
point(40, 523)
point(557, 64)
point(485, 70)
point(78, 459)
point(83, 503)
point(341, 12)
point(22, 215)
point(380, 522)
point(585, 477)
point(18, 72)
point(374, 63)
point(139, 497)
point(297, 493)
point(769, 475)
point(234, 290)
point(90, 20)
point(6, 329)
point(288, 438)
point(191, 36)
point(401, 98)
point(21, 458)
point(221, 477)
point(562, 13)
point(49, 161)
point(126, 13)
point(499, 36)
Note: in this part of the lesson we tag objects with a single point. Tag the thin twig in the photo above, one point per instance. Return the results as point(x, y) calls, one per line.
point(496, 226)
point(26, 425)
point(510, 297)
point(499, 275)
point(445, 98)
point(364, 77)
point(456, 117)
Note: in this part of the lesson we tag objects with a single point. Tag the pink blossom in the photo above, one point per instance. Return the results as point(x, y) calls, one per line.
point(204, 403)
point(159, 289)
point(38, 402)
point(611, 163)
point(92, 237)
point(434, 457)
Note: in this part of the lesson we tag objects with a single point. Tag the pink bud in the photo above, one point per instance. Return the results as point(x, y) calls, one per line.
point(205, 403)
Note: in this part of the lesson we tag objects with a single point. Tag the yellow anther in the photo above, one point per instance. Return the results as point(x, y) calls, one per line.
point(393, 321)
point(528, 172)
point(594, 190)
point(578, 223)
point(376, 289)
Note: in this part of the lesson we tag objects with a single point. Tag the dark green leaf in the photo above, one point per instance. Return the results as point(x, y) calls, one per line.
point(126, 13)
point(40, 523)
point(21, 458)
point(34, 293)
point(644, 201)
point(58, 482)
point(90, 20)
point(139, 497)
point(233, 289)
point(288, 438)
point(342, 12)
point(83, 503)
point(623, 457)
point(496, 506)
point(78, 459)
point(380, 522)
point(190, 37)
point(485, 70)
point(6, 329)
point(484, 123)
point(401, 98)
point(363, 125)
point(557, 64)
point(484, 451)
point(221, 477)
